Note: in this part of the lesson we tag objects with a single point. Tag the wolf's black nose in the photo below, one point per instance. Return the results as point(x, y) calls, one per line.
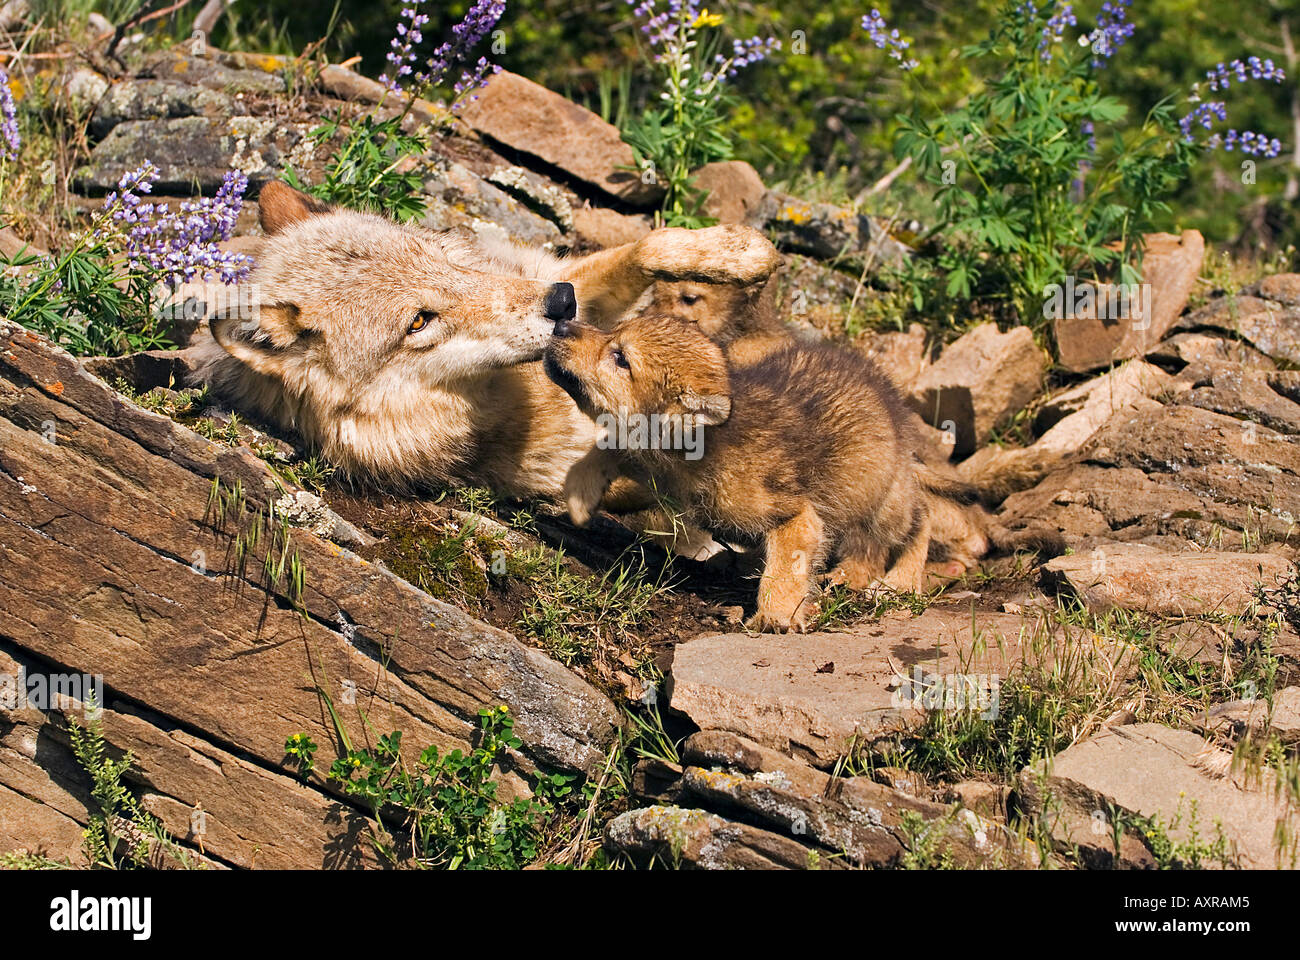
point(560, 304)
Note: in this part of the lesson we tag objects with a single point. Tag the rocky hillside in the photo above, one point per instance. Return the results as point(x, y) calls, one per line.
point(1117, 705)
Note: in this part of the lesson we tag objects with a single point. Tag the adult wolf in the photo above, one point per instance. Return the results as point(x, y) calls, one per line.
point(410, 357)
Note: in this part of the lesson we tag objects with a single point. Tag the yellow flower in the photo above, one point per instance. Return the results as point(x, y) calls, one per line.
point(706, 19)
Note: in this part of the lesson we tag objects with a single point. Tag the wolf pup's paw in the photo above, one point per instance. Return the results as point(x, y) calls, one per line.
point(769, 621)
point(729, 253)
point(586, 482)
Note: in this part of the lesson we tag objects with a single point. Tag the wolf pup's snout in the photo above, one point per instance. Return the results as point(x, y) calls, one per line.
point(560, 305)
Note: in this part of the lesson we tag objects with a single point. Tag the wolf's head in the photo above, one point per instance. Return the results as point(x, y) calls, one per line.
point(724, 312)
point(350, 308)
point(646, 365)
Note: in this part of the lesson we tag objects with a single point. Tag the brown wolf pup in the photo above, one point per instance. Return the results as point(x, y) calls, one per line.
point(805, 449)
point(742, 319)
point(409, 357)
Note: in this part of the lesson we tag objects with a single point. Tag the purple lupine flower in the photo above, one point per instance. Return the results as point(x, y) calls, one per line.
point(440, 65)
point(1204, 113)
point(1250, 143)
point(1253, 68)
point(661, 26)
point(745, 53)
point(402, 54)
point(1113, 29)
point(9, 139)
point(1062, 17)
point(182, 245)
point(887, 39)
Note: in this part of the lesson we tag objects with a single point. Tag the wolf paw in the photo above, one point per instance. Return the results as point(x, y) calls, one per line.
point(769, 621)
point(728, 253)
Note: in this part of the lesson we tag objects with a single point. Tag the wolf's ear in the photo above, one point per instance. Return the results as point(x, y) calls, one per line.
point(264, 344)
point(280, 205)
point(709, 409)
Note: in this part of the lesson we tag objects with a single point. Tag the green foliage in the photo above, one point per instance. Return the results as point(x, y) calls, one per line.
point(87, 300)
point(1022, 198)
point(122, 834)
point(449, 802)
point(1191, 853)
point(376, 168)
point(923, 843)
point(571, 615)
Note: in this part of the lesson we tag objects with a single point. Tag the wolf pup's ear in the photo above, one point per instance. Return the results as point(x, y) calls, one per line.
point(264, 344)
point(709, 409)
point(280, 205)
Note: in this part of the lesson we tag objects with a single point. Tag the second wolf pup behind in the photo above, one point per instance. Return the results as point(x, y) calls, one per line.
point(806, 448)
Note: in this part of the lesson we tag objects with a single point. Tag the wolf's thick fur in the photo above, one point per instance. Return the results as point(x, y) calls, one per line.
point(408, 357)
point(806, 448)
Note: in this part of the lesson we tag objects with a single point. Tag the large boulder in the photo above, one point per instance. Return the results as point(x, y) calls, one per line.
point(979, 381)
point(1152, 772)
point(732, 191)
point(812, 696)
point(1134, 576)
point(1093, 338)
point(527, 118)
point(1171, 469)
point(1271, 326)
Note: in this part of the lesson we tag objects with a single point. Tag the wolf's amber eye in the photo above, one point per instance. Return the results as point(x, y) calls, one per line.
point(422, 320)
point(621, 360)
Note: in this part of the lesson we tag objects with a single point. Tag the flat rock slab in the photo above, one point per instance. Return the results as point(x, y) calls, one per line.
point(864, 821)
point(810, 695)
point(1171, 469)
point(685, 837)
point(114, 563)
point(1138, 577)
point(1270, 326)
point(1281, 718)
point(1150, 770)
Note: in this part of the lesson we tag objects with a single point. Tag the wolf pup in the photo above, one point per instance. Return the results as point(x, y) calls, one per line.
point(742, 319)
point(806, 449)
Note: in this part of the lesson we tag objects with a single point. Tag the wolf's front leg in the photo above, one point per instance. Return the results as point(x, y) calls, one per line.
point(587, 481)
point(794, 551)
point(609, 282)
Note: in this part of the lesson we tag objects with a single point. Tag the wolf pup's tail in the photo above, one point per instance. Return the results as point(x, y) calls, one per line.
point(967, 528)
point(947, 486)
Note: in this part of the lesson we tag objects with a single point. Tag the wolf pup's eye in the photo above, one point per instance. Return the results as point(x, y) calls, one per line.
point(422, 320)
point(690, 299)
point(621, 360)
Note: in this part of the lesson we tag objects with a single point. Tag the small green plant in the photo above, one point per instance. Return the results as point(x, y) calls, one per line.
point(301, 750)
point(1034, 181)
point(376, 167)
point(104, 292)
point(1192, 853)
point(649, 739)
point(448, 802)
point(572, 615)
point(122, 834)
point(840, 607)
point(923, 844)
